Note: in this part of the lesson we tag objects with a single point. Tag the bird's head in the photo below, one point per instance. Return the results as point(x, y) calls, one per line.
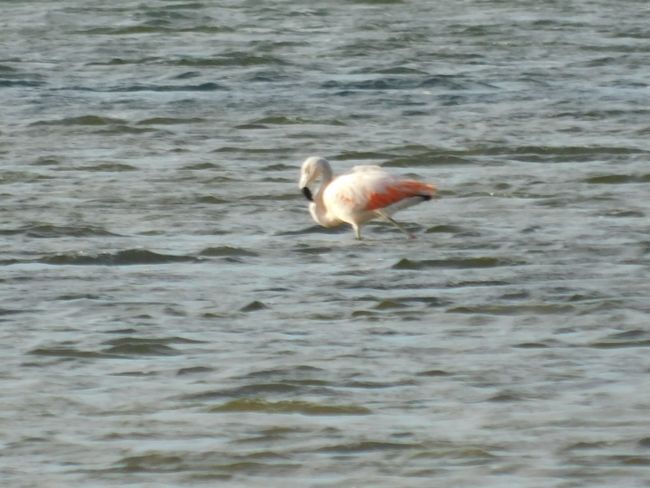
point(311, 169)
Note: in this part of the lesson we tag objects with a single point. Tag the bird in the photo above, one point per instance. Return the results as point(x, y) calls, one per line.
point(363, 194)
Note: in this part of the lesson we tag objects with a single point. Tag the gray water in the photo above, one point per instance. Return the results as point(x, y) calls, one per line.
point(171, 316)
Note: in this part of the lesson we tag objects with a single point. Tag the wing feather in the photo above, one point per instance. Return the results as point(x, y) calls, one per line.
point(369, 188)
point(397, 191)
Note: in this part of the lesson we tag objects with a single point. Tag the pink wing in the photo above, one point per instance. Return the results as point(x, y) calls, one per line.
point(369, 188)
point(397, 191)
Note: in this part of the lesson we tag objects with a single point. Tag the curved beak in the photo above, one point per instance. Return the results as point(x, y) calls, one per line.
point(307, 192)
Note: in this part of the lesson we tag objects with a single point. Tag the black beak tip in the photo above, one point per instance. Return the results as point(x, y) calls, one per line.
point(307, 192)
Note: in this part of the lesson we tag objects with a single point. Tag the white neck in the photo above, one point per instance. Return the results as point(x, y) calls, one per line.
point(317, 208)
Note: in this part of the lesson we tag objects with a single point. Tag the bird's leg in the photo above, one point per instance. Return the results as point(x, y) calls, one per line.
point(395, 223)
point(401, 227)
point(357, 232)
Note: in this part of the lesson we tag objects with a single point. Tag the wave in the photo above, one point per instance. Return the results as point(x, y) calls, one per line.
point(20, 83)
point(208, 86)
point(118, 348)
point(152, 29)
point(137, 346)
point(288, 406)
point(120, 258)
point(128, 257)
point(170, 121)
point(54, 231)
point(458, 263)
point(92, 120)
point(226, 251)
point(442, 82)
point(421, 155)
point(617, 179)
point(629, 338)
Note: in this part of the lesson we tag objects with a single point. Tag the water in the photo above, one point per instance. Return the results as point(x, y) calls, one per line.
point(172, 317)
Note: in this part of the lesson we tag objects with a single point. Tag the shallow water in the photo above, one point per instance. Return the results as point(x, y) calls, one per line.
point(172, 317)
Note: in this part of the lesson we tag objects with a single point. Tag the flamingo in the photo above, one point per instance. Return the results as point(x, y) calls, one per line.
point(363, 194)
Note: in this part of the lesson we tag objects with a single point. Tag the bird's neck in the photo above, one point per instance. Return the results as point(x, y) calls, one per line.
point(326, 174)
point(317, 208)
point(326, 178)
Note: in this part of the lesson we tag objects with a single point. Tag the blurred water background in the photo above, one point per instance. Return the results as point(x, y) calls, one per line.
point(171, 316)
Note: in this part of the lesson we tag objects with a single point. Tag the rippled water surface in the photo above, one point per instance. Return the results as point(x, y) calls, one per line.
point(171, 316)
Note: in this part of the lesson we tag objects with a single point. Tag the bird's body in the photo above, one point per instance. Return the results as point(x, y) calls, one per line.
point(363, 194)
